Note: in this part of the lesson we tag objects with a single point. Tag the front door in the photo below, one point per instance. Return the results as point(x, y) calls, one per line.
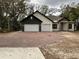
point(64, 26)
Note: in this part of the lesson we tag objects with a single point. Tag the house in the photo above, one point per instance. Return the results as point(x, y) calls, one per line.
point(37, 22)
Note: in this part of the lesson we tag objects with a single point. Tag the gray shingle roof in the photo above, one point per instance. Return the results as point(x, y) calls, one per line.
point(54, 18)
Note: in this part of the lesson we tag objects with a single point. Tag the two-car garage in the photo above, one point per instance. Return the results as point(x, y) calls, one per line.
point(36, 22)
point(37, 28)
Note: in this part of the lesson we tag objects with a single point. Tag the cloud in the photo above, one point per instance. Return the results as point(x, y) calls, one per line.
point(54, 3)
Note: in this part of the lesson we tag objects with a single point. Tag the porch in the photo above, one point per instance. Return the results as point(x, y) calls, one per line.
point(63, 26)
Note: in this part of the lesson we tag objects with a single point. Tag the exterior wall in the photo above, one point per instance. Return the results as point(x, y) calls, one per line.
point(66, 26)
point(42, 18)
point(45, 21)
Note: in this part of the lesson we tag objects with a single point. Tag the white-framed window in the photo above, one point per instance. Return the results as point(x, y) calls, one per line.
point(54, 26)
point(70, 26)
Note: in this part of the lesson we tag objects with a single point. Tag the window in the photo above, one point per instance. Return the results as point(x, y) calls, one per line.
point(54, 26)
point(70, 26)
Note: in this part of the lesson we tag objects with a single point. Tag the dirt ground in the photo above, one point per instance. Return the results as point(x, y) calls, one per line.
point(37, 39)
point(68, 48)
point(28, 39)
point(54, 45)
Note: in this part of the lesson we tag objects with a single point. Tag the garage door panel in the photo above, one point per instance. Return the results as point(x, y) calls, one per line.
point(45, 27)
point(31, 28)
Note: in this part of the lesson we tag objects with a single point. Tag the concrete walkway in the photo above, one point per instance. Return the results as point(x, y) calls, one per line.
point(21, 53)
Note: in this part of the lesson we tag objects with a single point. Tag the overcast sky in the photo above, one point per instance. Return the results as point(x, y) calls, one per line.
point(54, 3)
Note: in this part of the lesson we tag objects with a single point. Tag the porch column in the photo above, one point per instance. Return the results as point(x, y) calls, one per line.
point(73, 27)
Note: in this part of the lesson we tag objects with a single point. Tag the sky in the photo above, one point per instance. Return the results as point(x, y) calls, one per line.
point(54, 3)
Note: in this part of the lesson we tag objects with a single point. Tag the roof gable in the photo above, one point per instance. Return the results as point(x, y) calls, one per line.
point(42, 15)
point(36, 17)
point(58, 18)
point(54, 18)
point(29, 18)
point(63, 19)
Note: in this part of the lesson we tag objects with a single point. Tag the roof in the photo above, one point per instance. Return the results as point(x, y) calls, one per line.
point(54, 18)
point(28, 17)
point(41, 14)
point(64, 18)
point(50, 17)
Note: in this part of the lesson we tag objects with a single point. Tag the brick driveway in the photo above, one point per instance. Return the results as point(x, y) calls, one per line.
point(24, 39)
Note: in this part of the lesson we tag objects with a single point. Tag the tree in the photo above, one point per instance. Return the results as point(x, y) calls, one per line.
point(10, 10)
point(30, 9)
point(44, 9)
point(72, 17)
point(70, 13)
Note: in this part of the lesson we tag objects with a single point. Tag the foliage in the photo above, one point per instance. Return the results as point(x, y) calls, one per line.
point(44, 9)
point(71, 13)
point(9, 12)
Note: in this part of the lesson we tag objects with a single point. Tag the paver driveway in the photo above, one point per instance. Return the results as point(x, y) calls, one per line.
point(24, 39)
